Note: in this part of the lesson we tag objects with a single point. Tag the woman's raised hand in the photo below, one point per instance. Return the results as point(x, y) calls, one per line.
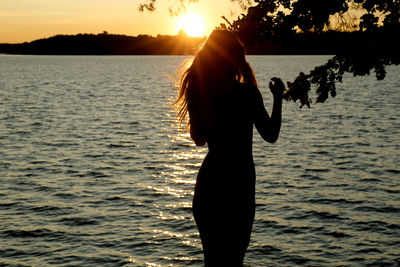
point(277, 87)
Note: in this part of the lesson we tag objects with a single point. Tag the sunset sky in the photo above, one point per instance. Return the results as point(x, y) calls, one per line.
point(27, 20)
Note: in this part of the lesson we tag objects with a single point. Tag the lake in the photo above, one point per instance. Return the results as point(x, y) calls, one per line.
point(95, 171)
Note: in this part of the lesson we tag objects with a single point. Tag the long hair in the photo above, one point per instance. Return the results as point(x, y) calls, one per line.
point(220, 63)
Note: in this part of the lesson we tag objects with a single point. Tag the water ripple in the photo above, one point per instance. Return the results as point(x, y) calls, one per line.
point(95, 172)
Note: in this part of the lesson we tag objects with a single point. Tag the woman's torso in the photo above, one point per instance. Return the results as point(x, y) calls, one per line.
point(228, 166)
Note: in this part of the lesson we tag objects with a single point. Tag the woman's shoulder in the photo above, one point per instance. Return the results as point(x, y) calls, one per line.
point(249, 90)
point(248, 86)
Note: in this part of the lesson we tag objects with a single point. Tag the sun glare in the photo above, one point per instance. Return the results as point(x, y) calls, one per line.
point(192, 24)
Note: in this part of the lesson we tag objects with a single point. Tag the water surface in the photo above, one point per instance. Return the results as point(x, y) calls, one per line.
point(94, 171)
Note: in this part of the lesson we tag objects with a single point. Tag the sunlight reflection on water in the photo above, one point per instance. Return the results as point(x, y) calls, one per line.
point(95, 171)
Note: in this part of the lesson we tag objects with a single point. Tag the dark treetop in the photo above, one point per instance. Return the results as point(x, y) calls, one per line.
point(363, 34)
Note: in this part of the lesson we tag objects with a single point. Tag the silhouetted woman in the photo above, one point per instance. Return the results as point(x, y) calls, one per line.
point(220, 94)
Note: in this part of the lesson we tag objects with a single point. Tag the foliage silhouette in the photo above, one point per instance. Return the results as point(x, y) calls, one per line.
point(364, 43)
point(370, 46)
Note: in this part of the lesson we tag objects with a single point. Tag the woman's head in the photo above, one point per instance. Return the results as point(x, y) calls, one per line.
point(219, 64)
point(221, 59)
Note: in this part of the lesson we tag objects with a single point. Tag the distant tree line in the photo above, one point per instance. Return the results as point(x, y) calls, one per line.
point(107, 44)
point(327, 43)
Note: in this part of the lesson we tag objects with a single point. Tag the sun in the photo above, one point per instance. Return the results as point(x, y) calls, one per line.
point(193, 24)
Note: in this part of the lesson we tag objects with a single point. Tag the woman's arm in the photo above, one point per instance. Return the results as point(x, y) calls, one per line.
point(196, 137)
point(269, 127)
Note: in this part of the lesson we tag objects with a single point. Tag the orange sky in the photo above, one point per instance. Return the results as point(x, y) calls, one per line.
point(27, 20)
